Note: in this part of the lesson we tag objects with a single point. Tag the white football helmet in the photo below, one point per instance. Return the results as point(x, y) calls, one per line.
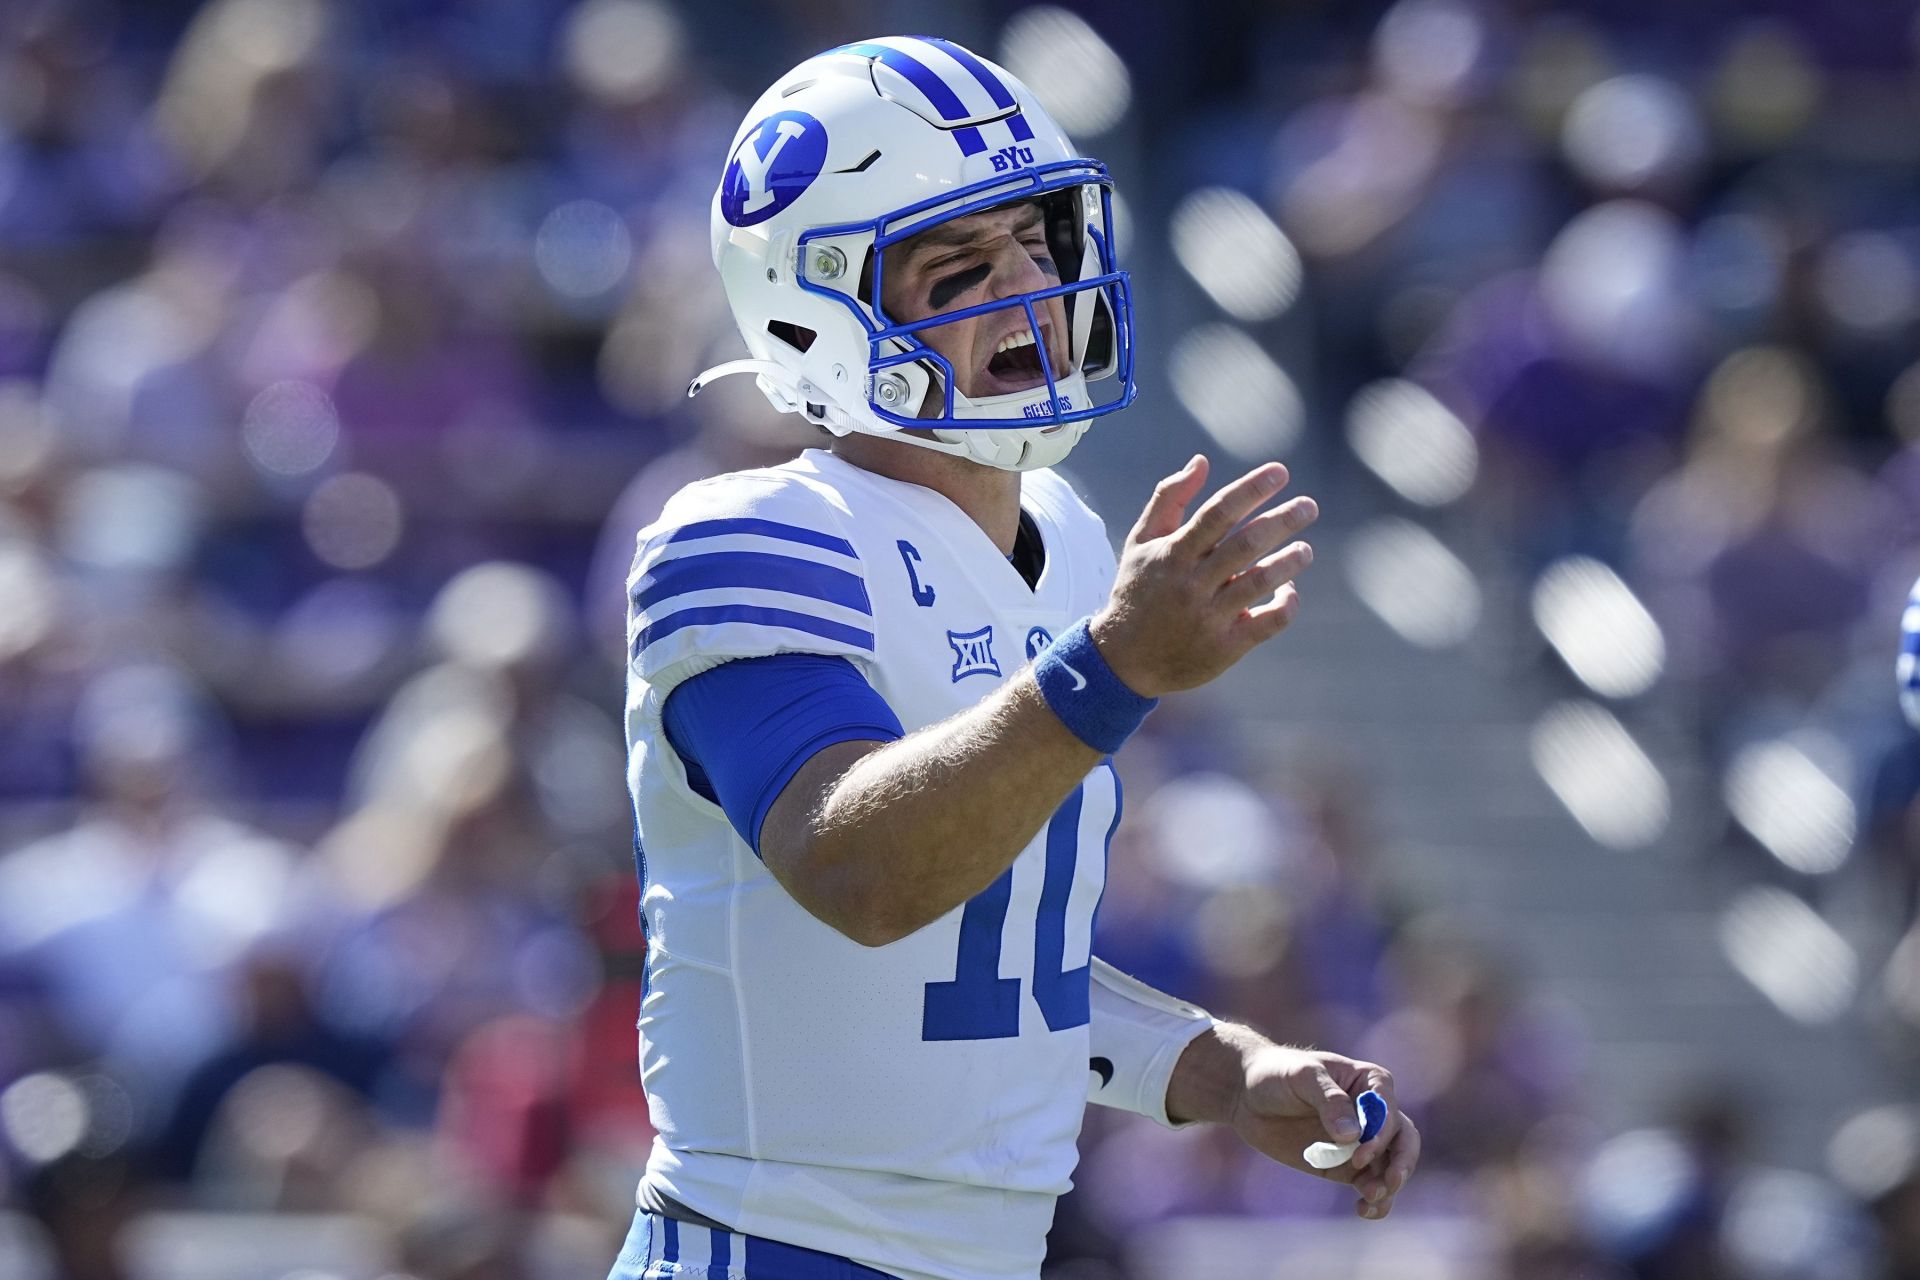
point(871, 144)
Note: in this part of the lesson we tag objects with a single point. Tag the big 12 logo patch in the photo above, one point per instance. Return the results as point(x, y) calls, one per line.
point(1013, 157)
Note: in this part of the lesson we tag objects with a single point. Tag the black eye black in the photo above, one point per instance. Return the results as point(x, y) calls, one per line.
point(947, 288)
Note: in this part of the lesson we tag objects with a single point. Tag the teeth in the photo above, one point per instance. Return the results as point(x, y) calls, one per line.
point(1022, 339)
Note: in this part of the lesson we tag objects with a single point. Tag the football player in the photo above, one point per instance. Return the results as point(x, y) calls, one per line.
point(874, 695)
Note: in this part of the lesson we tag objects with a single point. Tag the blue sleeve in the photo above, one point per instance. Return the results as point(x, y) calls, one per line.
point(744, 728)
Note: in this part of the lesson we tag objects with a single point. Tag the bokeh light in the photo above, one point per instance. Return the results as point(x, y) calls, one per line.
point(1607, 782)
point(353, 521)
point(1233, 249)
point(1598, 627)
point(1637, 1178)
point(291, 428)
point(1215, 831)
point(622, 51)
point(1369, 160)
point(1419, 588)
point(498, 615)
point(1766, 88)
point(1077, 76)
point(1876, 1149)
point(29, 597)
point(1795, 958)
point(1428, 50)
point(1903, 404)
point(1869, 283)
point(1411, 441)
point(1791, 804)
point(44, 1116)
point(133, 517)
point(1632, 132)
point(1614, 278)
point(583, 249)
point(1786, 1223)
point(1236, 392)
point(339, 633)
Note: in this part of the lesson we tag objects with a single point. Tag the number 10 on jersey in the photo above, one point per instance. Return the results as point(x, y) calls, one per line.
point(979, 1004)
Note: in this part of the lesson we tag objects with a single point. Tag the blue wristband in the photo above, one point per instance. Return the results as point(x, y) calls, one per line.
point(1094, 704)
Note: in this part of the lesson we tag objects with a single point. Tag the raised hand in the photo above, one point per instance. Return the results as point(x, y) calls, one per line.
point(1194, 595)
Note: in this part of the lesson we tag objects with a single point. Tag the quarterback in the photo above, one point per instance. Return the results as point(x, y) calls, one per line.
point(874, 695)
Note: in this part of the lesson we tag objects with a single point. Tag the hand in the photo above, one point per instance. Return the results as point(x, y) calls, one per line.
point(1193, 596)
point(1293, 1098)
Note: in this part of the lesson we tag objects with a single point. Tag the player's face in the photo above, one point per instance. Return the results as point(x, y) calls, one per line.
point(971, 260)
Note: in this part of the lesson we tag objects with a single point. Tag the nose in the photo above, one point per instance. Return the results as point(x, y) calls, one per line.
point(1015, 271)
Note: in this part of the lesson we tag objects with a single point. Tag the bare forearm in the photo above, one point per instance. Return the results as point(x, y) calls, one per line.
point(917, 827)
point(1211, 1073)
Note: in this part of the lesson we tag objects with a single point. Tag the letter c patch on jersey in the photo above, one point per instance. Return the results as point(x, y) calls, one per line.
point(910, 556)
point(772, 167)
point(972, 653)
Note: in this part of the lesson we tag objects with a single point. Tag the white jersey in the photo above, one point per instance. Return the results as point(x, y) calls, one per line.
point(915, 1106)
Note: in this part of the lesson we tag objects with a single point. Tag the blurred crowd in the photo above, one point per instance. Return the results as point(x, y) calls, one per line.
point(343, 348)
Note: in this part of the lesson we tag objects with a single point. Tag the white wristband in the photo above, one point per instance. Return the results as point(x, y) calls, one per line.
point(1137, 1037)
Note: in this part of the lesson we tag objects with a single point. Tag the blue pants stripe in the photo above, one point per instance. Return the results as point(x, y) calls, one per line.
point(653, 1252)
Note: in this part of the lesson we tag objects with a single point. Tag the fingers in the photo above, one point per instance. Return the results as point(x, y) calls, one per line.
point(1405, 1158)
point(1261, 581)
point(1227, 508)
point(1168, 505)
point(1378, 1187)
point(1263, 622)
point(1258, 537)
point(1333, 1104)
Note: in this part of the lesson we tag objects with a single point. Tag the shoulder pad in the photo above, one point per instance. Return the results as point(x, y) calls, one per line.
point(745, 565)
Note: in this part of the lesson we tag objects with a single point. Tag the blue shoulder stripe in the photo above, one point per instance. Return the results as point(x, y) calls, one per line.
point(754, 615)
point(750, 524)
point(937, 91)
point(758, 569)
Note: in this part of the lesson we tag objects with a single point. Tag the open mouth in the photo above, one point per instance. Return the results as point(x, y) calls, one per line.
point(1016, 363)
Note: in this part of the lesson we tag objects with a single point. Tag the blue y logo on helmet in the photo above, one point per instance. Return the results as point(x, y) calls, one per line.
point(772, 167)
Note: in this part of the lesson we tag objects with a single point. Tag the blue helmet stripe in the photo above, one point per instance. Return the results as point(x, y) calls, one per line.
point(996, 87)
point(938, 92)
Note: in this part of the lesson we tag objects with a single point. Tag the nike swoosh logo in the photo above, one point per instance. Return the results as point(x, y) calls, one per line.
point(1079, 681)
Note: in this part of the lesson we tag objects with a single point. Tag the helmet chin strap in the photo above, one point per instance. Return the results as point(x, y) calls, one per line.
point(765, 368)
point(1007, 449)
